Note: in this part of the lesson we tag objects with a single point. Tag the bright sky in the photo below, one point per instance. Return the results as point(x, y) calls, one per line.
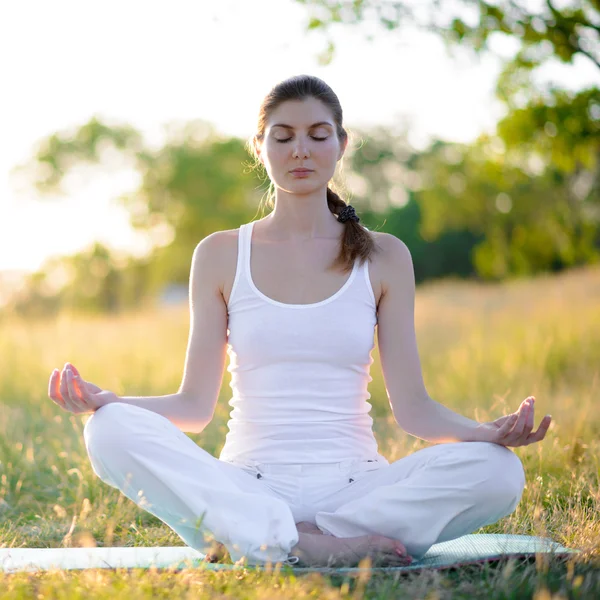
point(148, 63)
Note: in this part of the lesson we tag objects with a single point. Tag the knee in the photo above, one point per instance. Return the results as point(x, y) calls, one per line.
point(107, 427)
point(503, 477)
point(110, 435)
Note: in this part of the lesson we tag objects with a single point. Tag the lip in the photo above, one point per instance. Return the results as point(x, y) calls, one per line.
point(301, 171)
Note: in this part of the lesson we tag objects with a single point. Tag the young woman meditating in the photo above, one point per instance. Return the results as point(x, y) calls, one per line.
point(294, 299)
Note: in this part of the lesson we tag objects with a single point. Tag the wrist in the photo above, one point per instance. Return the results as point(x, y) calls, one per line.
point(479, 434)
point(105, 398)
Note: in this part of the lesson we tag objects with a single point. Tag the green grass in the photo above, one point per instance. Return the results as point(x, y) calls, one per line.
point(483, 349)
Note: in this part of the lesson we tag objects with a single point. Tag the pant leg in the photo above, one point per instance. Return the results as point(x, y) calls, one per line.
point(199, 496)
point(437, 494)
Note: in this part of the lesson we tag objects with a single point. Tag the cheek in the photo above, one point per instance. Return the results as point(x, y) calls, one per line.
point(326, 151)
point(276, 154)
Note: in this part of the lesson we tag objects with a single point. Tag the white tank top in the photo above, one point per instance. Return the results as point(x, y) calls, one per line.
point(299, 372)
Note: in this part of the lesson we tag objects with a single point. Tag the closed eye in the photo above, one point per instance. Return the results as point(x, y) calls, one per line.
point(312, 136)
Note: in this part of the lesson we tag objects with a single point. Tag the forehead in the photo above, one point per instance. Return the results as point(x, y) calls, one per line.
point(300, 113)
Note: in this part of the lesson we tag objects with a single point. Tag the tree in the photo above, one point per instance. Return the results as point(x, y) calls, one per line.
point(528, 220)
point(537, 200)
point(564, 32)
point(190, 187)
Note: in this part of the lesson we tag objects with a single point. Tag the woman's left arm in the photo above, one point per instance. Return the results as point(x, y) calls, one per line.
point(413, 409)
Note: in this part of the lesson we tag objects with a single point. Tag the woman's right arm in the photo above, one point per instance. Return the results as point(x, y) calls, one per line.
point(192, 407)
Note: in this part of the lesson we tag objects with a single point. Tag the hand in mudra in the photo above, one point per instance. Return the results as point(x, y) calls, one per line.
point(73, 394)
point(515, 429)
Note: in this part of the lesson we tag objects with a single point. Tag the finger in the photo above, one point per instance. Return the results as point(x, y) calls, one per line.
point(75, 407)
point(74, 369)
point(521, 421)
point(539, 435)
point(76, 399)
point(64, 389)
point(507, 426)
point(530, 416)
point(521, 439)
point(512, 435)
point(57, 386)
point(71, 385)
point(83, 385)
point(68, 394)
point(81, 388)
point(53, 389)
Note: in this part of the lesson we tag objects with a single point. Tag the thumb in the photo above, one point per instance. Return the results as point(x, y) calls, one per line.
point(73, 368)
point(90, 387)
point(508, 424)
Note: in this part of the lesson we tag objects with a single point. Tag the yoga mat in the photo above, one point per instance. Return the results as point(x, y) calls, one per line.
point(469, 549)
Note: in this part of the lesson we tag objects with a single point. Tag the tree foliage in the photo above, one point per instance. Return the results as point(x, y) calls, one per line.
point(533, 189)
point(564, 31)
point(521, 200)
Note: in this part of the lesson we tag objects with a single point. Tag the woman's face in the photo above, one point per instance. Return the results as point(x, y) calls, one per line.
point(309, 141)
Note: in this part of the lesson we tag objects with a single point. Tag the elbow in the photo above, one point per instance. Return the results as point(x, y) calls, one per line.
point(198, 414)
point(197, 426)
point(412, 415)
point(196, 421)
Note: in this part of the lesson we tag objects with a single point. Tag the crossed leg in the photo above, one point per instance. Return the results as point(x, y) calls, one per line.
point(437, 494)
point(200, 497)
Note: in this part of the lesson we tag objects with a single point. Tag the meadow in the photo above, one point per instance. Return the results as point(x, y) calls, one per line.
point(483, 348)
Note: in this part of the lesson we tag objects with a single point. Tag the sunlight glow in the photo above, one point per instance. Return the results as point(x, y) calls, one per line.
point(141, 65)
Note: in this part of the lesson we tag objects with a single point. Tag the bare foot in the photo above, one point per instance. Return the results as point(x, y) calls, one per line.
point(216, 553)
point(308, 527)
point(315, 550)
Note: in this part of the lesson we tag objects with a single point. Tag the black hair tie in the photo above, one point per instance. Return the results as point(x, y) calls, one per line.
point(347, 214)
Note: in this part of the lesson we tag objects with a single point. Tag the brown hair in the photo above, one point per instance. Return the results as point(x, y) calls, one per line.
point(356, 241)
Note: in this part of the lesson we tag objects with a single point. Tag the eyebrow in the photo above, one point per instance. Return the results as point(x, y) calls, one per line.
point(311, 127)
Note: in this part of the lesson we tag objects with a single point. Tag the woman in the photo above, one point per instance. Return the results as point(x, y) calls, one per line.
point(300, 479)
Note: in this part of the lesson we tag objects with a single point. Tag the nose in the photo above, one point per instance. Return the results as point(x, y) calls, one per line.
point(300, 150)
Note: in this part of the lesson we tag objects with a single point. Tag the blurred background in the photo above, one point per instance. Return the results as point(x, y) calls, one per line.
point(475, 135)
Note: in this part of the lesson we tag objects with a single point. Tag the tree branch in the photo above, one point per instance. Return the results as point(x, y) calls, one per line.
point(577, 46)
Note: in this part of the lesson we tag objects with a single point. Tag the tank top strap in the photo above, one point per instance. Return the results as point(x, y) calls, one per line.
point(367, 279)
point(364, 270)
point(246, 238)
point(243, 250)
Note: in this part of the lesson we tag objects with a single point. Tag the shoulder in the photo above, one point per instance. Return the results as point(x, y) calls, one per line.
point(214, 260)
point(214, 252)
point(394, 261)
point(217, 244)
point(393, 248)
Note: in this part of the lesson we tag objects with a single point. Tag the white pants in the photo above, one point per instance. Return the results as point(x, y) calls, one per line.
point(433, 495)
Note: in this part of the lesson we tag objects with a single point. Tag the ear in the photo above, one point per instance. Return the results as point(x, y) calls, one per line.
point(343, 148)
point(257, 150)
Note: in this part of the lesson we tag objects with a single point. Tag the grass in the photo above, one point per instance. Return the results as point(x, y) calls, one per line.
point(483, 349)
